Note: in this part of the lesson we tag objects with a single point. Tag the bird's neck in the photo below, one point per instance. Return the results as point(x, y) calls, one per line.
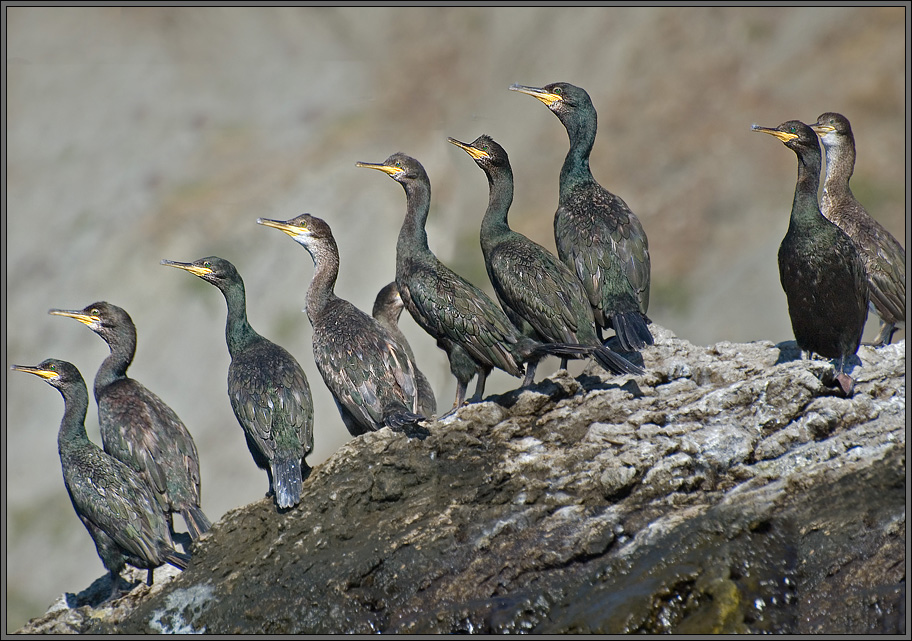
point(805, 207)
point(413, 240)
point(238, 332)
point(500, 197)
point(72, 426)
point(321, 291)
point(575, 171)
point(840, 164)
point(114, 367)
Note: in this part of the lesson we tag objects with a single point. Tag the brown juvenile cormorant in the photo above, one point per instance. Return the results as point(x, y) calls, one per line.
point(268, 390)
point(597, 235)
point(137, 427)
point(821, 271)
point(388, 308)
point(884, 257)
point(539, 293)
point(116, 505)
point(369, 374)
point(454, 311)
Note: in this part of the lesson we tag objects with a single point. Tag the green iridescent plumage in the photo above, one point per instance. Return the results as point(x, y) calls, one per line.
point(115, 504)
point(820, 269)
point(268, 390)
point(597, 235)
point(137, 427)
point(538, 292)
point(370, 375)
point(456, 313)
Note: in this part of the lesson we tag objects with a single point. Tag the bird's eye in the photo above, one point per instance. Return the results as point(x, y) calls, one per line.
point(206, 264)
point(94, 311)
point(558, 91)
point(52, 367)
point(398, 164)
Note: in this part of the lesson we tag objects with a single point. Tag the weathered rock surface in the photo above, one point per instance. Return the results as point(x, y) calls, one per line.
point(728, 490)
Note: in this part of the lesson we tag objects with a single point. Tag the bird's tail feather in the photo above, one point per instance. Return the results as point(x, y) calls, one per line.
point(632, 331)
point(610, 360)
point(286, 474)
point(563, 350)
point(178, 559)
point(197, 522)
point(615, 363)
point(400, 419)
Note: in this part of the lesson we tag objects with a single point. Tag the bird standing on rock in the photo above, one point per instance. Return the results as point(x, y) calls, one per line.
point(597, 235)
point(370, 375)
point(137, 427)
point(820, 269)
point(883, 256)
point(268, 390)
point(538, 292)
point(387, 309)
point(456, 313)
point(115, 504)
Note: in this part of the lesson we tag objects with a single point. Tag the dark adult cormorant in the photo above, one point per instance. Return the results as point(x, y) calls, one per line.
point(454, 311)
point(268, 390)
point(370, 375)
point(137, 427)
point(821, 271)
point(597, 235)
point(539, 293)
point(884, 257)
point(388, 307)
point(116, 505)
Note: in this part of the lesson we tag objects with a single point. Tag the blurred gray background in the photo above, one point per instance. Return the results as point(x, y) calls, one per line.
point(136, 134)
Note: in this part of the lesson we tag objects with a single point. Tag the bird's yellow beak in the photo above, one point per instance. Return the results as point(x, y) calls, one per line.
point(545, 96)
point(196, 270)
point(37, 371)
point(281, 225)
point(78, 315)
point(781, 135)
point(387, 169)
point(474, 152)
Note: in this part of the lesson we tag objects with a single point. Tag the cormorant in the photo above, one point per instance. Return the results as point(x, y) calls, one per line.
point(821, 271)
point(137, 427)
point(597, 235)
point(369, 374)
point(454, 311)
point(539, 293)
point(884, 257)
point(388, 307)
point(268, 390)
point(116, 505)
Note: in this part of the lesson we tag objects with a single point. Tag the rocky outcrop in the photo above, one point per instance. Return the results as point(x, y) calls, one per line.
point(727, 490)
